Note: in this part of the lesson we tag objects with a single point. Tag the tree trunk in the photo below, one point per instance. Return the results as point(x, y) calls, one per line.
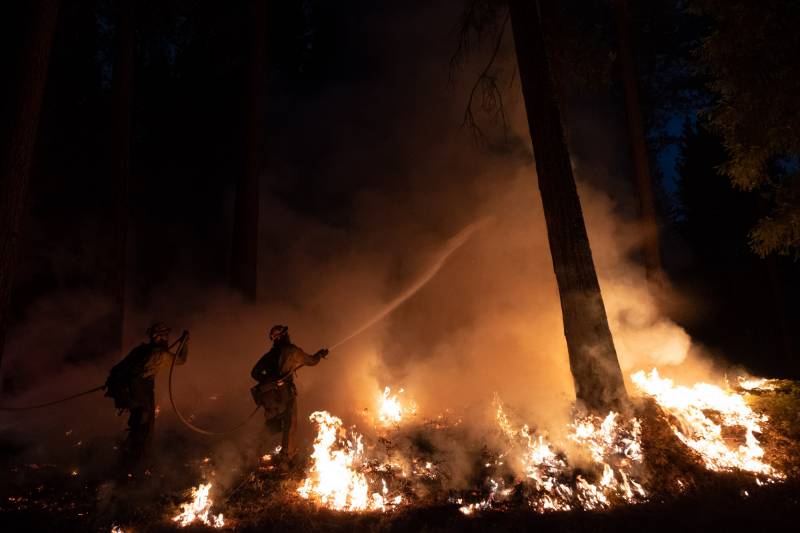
point(122, 89)
point(592, 356)
point(19, 156)
point(244, 267)
point(638, 144)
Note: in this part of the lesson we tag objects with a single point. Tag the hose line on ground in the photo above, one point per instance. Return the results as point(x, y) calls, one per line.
point(48, 404)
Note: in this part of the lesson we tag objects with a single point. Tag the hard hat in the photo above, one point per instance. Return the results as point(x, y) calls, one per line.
point(157, 328)
point(278, 331)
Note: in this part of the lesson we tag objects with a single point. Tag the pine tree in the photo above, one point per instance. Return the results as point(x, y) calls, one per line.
point(593, 358)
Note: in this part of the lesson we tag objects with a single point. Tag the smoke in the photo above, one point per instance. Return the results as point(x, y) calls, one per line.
point(488, 320)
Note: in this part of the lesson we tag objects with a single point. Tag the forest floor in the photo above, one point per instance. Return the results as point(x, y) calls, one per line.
point(52, 497)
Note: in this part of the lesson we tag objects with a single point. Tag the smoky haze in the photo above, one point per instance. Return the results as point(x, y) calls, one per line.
point(403, 179)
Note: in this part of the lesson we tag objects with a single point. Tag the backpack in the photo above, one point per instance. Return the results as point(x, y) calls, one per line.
point(118, 384)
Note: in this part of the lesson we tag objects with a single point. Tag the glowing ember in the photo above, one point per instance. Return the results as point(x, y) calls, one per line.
point(199, 509)
point(694, 408)
point(338, 478)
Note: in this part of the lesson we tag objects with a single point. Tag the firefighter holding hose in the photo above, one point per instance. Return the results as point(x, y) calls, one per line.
point(131, 384)
point(276, 391)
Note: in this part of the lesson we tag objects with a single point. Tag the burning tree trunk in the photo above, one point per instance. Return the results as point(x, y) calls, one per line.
point(244, 257)
point(593, 358)
point(19, 156)
point(122, 96)
point(641, 164)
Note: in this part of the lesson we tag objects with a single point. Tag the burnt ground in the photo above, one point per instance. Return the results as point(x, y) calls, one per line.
point(723, 508)
point(683, 496)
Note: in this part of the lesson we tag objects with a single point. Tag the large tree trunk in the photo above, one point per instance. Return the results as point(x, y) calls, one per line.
point(244, 267)
point(638, 144)
point(592, 356)
point(18, 157)
point(122, 89)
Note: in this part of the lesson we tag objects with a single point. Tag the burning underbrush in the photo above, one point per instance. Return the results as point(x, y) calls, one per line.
point(601, 462)
point(674, 442)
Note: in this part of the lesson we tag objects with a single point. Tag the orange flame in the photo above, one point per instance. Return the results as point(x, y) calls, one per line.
point(199, 509)
point(692, 405)
point(337, 477)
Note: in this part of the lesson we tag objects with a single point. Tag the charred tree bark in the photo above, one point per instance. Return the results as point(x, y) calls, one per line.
point(122, 92)
point(638, 145)
point(592, 356)
point(19, 155)
point(244, 257)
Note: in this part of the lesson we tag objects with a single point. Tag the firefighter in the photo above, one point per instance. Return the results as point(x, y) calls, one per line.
point(131, 384)
point(276, 391)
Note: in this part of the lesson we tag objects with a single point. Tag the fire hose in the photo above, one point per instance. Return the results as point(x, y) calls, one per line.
point(48, 404)
point(56, 402)
point(452, 245)
point(183, 419)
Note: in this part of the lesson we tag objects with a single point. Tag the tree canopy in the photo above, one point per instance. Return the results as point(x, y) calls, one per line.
point(752, 58)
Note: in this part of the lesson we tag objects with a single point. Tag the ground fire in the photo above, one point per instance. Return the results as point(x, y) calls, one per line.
point(595, 463)
point(344, 476)
point(199, 509)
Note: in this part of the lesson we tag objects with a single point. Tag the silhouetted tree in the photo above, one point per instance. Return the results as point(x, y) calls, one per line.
point(19, 155)
point(122, 89)
point(745, 294)
point(244, 258)
point(751, 54)
point(593, 358)
point(638, 143)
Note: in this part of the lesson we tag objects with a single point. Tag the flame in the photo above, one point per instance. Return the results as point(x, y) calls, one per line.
point(761, 384)
point(608, 442)
point(343, 476)
point(199, 509)
point(338, 477)
point(693, 408)
point(390, 410)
